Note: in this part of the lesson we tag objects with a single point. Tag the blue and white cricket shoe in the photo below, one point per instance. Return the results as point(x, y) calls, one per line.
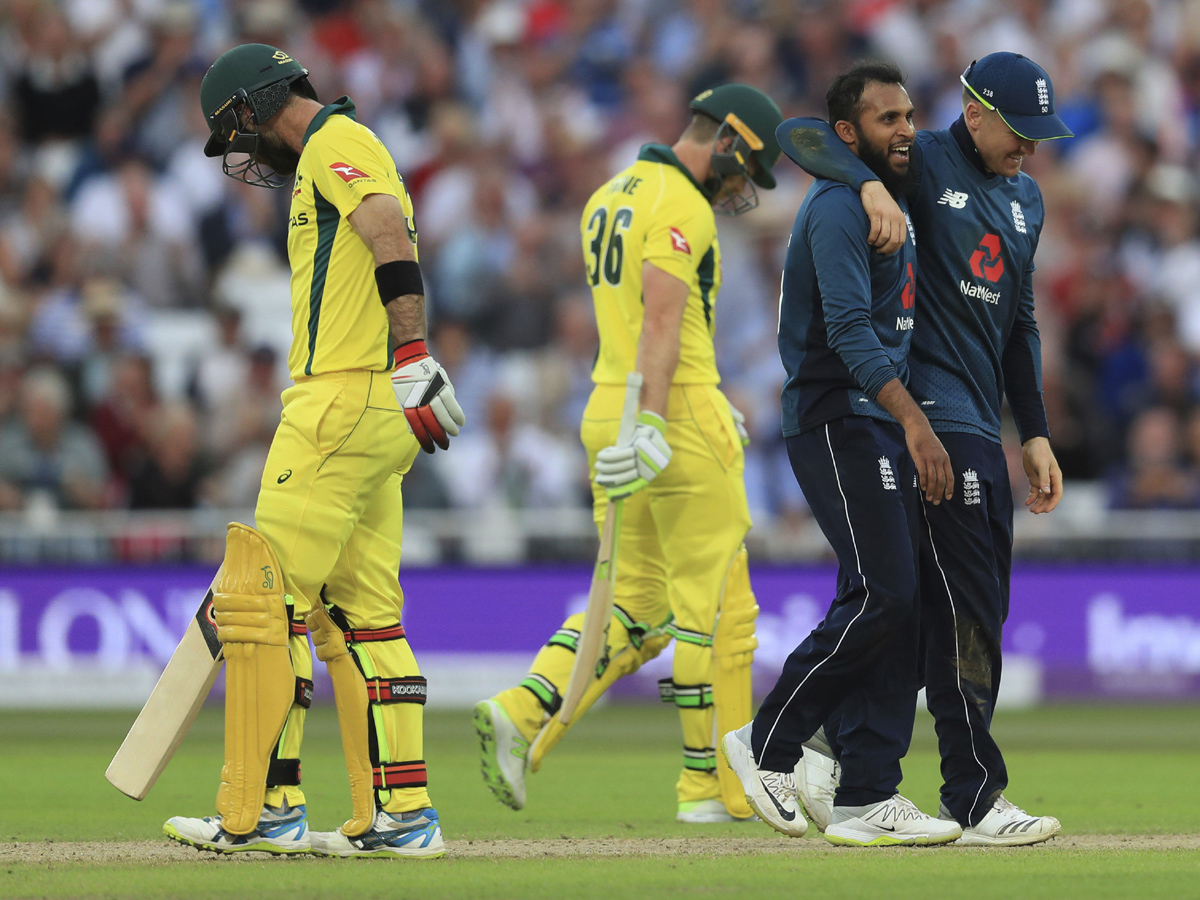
point(281, 829)
point(417, 834)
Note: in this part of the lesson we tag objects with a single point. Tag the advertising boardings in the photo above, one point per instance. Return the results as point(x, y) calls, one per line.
point(100, 636)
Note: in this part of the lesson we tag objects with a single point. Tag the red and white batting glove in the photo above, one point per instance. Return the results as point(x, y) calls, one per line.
point(426, 395)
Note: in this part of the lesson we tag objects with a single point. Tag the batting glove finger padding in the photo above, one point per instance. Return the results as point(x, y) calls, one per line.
point(424, 392)
point(624, 469)
point(739, 421)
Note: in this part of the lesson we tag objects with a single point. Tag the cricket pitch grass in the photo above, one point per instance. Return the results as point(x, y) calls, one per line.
point(600, 818)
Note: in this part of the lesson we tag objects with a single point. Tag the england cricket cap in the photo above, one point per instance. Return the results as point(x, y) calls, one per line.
point(1020, 91)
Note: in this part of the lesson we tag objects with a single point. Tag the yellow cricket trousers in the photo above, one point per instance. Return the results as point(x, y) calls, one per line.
point(330, 507)
point(678, 538)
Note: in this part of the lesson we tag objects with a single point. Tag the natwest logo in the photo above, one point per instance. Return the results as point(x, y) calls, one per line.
point(986, 262)
point(980, 291)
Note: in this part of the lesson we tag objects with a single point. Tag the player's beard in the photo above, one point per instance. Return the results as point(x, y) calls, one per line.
point(876, 159)
point(276, 155)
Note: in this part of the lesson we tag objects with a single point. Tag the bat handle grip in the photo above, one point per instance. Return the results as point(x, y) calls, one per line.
point(633, 395)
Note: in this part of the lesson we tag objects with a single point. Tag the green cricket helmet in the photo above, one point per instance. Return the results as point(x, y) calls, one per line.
point(749, 117)
point(248, 84)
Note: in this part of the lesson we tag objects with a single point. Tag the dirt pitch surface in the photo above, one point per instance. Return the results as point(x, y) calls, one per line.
point(167, 852)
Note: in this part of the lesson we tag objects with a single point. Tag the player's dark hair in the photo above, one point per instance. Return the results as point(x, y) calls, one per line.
point(844, 97)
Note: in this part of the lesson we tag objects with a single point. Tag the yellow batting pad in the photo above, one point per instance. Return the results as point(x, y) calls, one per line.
point(734, 643)
point(624, 662)
point(350, 697)
point(260, 685)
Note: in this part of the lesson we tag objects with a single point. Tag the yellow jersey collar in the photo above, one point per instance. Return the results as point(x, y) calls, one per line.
point(343, 106)
point(661, 153)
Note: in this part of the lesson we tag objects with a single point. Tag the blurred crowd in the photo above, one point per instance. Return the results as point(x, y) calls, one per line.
point(144, 305)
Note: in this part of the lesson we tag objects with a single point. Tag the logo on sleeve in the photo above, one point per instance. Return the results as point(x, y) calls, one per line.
point(347, 172)
point(679, 243)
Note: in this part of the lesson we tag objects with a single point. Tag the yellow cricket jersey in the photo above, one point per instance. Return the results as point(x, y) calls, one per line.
point(338, 321)
point(655, 211)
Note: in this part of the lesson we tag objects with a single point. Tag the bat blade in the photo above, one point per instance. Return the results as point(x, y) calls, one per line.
point(171, 708)
point(593, 636)
point(594, 633)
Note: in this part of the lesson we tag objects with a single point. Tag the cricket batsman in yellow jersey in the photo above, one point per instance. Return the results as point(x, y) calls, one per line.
point(324, 553)
point(654, 267)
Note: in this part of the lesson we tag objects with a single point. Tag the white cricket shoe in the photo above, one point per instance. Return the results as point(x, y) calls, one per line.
point(415, 834)
point(817, 777)
point(503, 753)
point(1007, 825)
point(895, 821)
point(770, 794)
point(280, 829)
point(706, 812)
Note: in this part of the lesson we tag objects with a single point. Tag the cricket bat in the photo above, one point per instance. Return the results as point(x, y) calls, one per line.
point(172, 707)
point(593, 635)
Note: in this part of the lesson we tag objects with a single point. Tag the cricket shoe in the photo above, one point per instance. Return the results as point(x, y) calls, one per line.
point(415, 834)
point(817, 777)
point(891, 822)
point(503, 753)
point(770, 794)
point(280, 829)
point(1007, 825)
point(706, 812)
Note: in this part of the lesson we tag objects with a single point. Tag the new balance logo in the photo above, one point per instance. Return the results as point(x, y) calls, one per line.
point(970, 488)
point(953, 199)
point(886, 474)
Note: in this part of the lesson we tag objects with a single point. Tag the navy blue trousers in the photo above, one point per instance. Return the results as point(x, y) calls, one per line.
point(965, 560)
point(965, 564)
point(860, 485)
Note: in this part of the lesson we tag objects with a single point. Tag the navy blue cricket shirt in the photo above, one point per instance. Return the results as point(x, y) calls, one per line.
point(976, 338)
point(845, 312)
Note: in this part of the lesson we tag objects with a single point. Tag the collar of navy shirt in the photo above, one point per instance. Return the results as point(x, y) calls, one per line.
point(962, 136)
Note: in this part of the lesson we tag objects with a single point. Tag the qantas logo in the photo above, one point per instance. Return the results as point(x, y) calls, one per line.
point(347, 172)
point(679, 243)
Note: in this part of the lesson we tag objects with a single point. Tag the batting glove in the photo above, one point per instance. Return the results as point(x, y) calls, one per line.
point(625, 469)
point(739, 421)
point(427, 397)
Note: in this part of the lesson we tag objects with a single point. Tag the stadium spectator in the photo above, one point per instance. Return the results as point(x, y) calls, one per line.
point(121, 418)
point(1155, 477)
point(504, 115)
point(45, 458)
point(173, 473)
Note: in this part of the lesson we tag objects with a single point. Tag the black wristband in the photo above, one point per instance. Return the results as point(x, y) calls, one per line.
point(398, 278)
